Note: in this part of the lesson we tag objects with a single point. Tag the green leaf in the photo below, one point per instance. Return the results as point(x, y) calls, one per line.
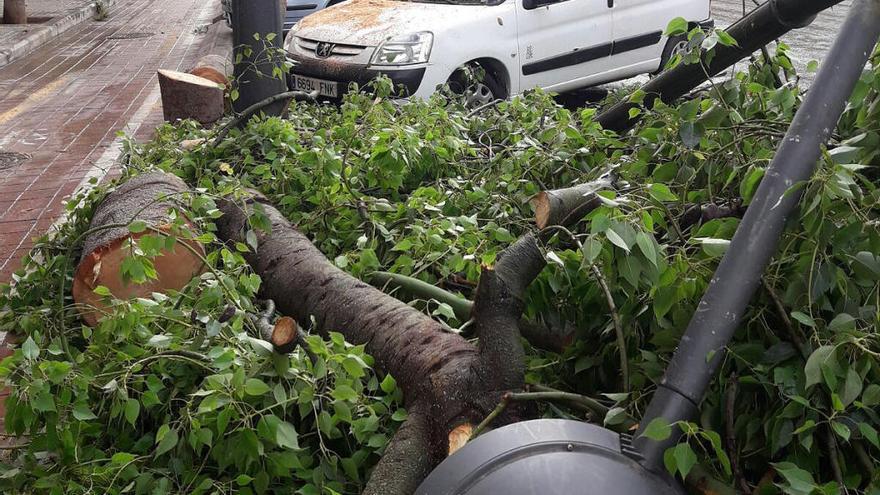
point(813, 368)
point(676, 26)
point(286, 436)
point(662, 193)
point(841, 430)
point(714, 247)
point(842, 321)
point(871, 396)
point(82, 412)
point(799, 481)
point(344, 392)
point(44, 402)
point(852, 387)
point(255, 386)
point(803, 319)
point(132, 410)
point(29, 349)
point(137, 226)
point(685, 458)
point(389, 384)
point(167, 440)
point(616, 239)
point(658, 429)
point(646, 244)
point(870, 433)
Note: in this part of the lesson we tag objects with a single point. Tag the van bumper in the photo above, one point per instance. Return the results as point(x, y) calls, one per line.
point(407, 80)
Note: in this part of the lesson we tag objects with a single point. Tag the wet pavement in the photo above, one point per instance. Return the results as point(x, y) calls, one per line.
point(810, 43)
point(64, 103)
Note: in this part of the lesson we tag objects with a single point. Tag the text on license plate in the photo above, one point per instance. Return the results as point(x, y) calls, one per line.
point(309, 84)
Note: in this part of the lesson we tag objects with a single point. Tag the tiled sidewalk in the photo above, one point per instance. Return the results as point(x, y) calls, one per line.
point(64, 103)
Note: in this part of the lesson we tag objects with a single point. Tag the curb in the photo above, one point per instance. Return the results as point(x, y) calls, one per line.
point(45, 33)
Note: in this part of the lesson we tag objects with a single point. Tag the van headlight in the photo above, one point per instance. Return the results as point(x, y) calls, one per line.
point(404, 50)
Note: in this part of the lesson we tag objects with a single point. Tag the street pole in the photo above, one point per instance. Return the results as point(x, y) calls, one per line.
point(257, 58)
point(761, 26)
point(724, 304)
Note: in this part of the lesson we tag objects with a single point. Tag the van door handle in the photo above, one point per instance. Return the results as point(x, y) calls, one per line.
point(610, 4)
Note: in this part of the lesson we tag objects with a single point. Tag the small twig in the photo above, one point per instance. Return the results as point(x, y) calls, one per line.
point(505, 399)
point(248, 112)
point(482, 107)
point(545, 393)
point(730, 420)
point(618, 327)
point(831, 445)
point(790, 329)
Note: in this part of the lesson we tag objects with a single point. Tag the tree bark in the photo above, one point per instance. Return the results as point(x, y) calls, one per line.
point(186, 96)
point(446, 380)
point(14, 12)
point(148, 198)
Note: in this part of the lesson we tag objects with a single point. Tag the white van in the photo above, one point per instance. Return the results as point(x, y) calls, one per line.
point(557, 45)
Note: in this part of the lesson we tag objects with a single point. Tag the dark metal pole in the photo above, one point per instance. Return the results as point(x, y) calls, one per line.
point(721, 310)
point(254, 73)
point(763, 25)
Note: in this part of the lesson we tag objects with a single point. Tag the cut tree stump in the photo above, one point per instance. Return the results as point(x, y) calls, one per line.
point(214, 67)
point(14, 12)
point(148, 198)
point(187, 96)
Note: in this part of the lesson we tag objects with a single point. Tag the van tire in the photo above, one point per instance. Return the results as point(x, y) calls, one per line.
point(480, 92)
point(673, 45)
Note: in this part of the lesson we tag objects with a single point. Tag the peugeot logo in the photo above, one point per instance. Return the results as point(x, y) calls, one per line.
point(324, 50)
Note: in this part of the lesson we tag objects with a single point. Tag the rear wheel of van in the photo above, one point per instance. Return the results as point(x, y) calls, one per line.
point(676, 45)
point(478, 85)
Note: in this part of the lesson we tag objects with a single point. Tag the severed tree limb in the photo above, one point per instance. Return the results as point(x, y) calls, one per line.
point(566, 206)
point(408, 458)
point(440, 373)
point(553, 337)
point(498, 305)
point(249, 112)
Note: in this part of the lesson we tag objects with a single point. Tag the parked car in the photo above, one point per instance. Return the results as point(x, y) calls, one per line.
point(296, 10)
point(557, 45)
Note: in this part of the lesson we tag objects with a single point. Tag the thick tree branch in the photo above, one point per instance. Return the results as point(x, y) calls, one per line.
point(551, 336)
point(407, 459)
point(498, 305)
point(566, 206)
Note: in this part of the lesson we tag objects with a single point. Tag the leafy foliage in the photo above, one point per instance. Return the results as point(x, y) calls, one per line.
point(432, 190)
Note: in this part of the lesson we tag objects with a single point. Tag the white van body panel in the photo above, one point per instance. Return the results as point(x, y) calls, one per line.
point(560, 46)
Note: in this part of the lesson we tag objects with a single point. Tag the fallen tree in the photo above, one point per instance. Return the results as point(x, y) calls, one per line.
point(187, 391)
point(448, 384)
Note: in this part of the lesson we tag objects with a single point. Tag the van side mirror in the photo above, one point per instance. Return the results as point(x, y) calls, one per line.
point(534, 4)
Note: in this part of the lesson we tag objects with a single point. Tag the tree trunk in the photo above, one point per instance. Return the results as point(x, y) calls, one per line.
point(185, 96)
point(148, 198)
point(14, 12)
point(446, 380)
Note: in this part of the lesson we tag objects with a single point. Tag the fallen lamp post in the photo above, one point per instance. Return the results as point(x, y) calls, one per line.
point(554, 456)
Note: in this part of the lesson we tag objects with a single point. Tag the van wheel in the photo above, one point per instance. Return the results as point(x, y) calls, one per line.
point(676, 45)
point(477, 85)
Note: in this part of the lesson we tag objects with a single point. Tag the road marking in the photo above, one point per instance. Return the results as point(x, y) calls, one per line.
point(34, 98)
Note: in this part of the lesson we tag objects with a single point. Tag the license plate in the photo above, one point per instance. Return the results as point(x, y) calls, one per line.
point(309, 84)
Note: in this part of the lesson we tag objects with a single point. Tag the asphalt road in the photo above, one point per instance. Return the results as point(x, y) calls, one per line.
point(810, 43)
